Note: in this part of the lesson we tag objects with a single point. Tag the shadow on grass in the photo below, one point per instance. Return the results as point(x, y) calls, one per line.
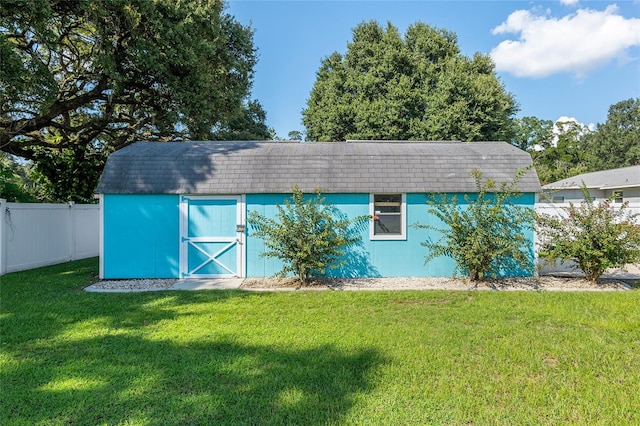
point(70, 357)
point(119, 379)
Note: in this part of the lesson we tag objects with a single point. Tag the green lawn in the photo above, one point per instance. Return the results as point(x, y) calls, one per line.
point(312, 357)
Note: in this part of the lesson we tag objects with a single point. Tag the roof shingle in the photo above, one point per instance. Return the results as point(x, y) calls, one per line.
point(274, 167)
point(605, 179)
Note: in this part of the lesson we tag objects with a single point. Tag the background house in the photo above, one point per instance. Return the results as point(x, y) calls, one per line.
point(178, 209)
point(623, 184)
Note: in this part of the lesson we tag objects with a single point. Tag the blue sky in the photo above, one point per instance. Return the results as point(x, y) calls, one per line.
point(564, 58)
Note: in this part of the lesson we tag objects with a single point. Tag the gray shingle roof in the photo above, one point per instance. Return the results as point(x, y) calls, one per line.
point(334, 167)
point(605, 179)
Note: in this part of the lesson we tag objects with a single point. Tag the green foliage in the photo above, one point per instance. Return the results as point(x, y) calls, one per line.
point(557, 149)
point(308, 235)
point(574, 149)
point(13, 181)
point(295, 135)
point(417, 87)
point(593, 235)
point(616, 143)
point(532, 134)
point(486, 237)
point(247, 125)
point(10, 188)
point(566, 157)
point(82, 79)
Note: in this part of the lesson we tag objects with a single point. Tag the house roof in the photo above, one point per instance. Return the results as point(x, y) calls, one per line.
point(605, 179)
point(333, 167)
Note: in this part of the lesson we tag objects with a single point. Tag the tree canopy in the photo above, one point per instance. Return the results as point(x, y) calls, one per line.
point(616, 143)
point(414, 87)
point(564, 149)
point(557, 148)
point(80, 79)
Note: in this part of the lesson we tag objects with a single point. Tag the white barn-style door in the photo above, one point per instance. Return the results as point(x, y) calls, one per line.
point(212, 236)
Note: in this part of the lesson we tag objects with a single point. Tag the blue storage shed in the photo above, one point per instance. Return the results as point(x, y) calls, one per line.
point(178, 209)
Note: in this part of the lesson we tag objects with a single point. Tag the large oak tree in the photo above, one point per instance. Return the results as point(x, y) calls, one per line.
point(418, 86)
point(81, 78)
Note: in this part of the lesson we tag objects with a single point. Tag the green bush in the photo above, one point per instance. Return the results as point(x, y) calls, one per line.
point(593, 235)
point(486, 237)
point(308, 236)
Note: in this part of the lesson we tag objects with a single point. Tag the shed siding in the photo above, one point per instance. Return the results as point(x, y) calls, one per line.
point(379, 258)
point(141, 236)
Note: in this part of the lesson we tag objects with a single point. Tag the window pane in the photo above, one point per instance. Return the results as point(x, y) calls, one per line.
point(387, 209)
point(388, 224)
point(619, 197)
point(387, 203)
point(388, 198)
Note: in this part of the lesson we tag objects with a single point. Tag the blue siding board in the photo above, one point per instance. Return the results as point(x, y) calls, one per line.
point(377, 258)
point(141, 235)
point(141, 238)
point(202, 223)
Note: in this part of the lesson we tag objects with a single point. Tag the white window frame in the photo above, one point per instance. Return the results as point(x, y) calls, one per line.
point(403, 218)
point(618, 197)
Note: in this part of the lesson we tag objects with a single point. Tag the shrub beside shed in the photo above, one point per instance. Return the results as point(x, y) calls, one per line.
point(178, 209)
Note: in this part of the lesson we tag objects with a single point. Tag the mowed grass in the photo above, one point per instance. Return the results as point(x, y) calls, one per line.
point(312, 357)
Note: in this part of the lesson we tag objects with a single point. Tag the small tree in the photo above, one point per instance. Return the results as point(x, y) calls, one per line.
point(486, 237)
point(308, 236)
point(593, 235)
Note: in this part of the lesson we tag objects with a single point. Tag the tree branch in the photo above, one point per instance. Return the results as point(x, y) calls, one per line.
point(26, 126)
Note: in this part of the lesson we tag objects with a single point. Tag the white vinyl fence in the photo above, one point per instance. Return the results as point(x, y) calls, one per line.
point(559, 209)
point(34, 235)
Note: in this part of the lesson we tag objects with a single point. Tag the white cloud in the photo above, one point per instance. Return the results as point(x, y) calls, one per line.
point(565, 124)
point(576, 43)
point(569, 2)
point(561, 123)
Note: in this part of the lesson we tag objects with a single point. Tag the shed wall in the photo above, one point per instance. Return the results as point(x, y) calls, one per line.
point(141, 236)
point(377, 258)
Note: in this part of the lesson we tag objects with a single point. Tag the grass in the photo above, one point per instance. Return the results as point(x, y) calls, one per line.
point(312, 358)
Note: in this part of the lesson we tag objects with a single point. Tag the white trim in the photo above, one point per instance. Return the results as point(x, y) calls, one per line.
point(213, 257)
point(403, 218)
point(242, 247)
point(211, 239)
point(3, 237)
point(631, 185)
point(184, 226)
point(101, 237)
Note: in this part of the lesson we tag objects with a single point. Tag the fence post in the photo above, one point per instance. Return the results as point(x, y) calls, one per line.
point(72, 230)
point(3, 237)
